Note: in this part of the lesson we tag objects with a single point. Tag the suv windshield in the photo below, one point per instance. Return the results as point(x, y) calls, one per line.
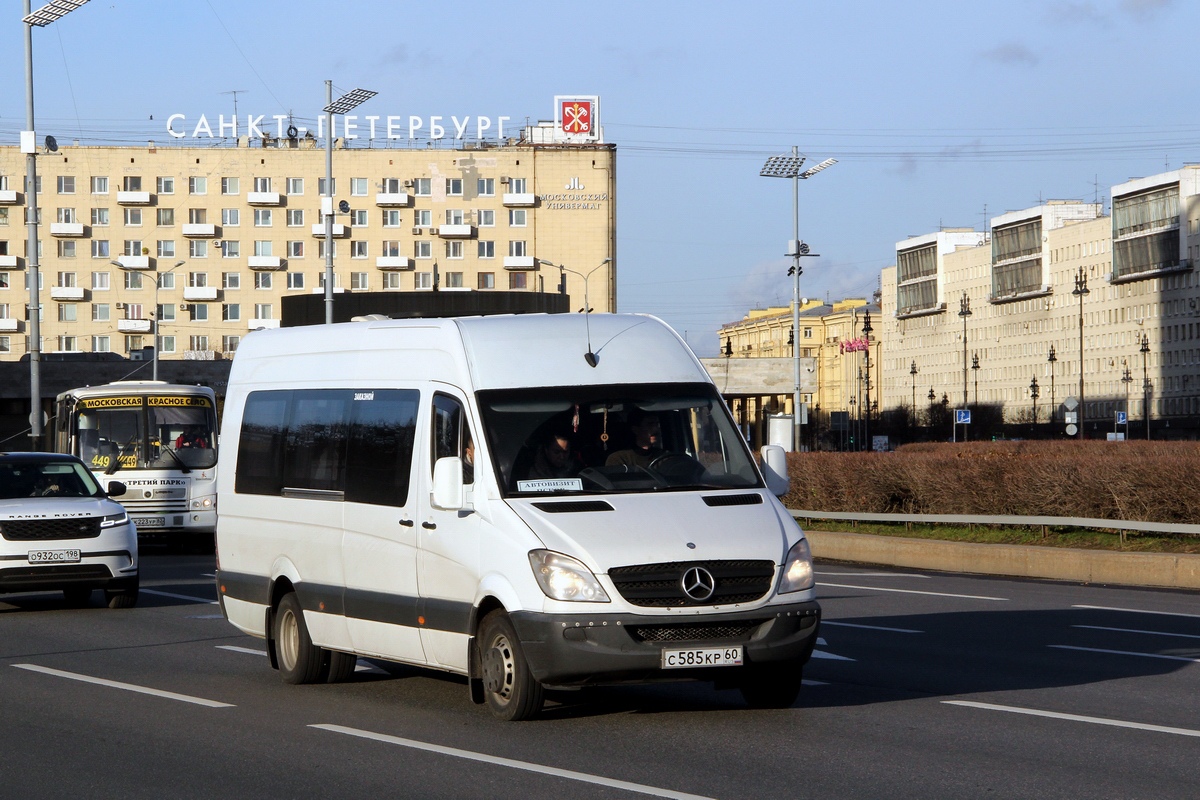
point(606, 439)
point(46, 479)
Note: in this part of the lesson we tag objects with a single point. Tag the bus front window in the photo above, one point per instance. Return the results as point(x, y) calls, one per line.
point(182, 437)
point(110, 438)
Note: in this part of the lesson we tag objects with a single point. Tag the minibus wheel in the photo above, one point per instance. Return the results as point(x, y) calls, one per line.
point(341, 666)
point(775, 684)
point(300, 661)
point(511, 691)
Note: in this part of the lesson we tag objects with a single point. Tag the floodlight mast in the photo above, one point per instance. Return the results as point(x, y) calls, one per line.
point(347, 102)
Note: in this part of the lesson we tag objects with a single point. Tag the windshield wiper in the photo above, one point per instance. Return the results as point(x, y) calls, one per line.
point(116, 463)
point(184, 468)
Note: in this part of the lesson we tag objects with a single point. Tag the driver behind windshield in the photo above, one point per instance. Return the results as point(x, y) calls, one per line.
point(647, 442)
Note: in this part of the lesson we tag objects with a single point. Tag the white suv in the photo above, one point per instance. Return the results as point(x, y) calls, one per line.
point(60, 530)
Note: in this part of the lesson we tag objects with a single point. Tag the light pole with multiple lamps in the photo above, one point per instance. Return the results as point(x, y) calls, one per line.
point(589, 356)
point(913, 372)
point(1081, 291)
point(866, 329)
point(55, 10)
point(347, 102)
point(932, 397)
point(1035, 394)
point(1052, 358)
point(1126, 379)
point(964, 311)
point(788, 166)
point(157, 310)
point(975, 372)
point(1145, 351)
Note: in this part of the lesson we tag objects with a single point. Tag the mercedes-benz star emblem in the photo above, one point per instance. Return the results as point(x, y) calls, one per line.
point(698, 583)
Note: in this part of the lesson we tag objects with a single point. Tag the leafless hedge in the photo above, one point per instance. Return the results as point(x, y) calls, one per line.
point(1148, 481)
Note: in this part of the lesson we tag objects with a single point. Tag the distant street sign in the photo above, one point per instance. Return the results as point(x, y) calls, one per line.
point(1072, 429)
point(1070, 417)
point(1071, 403)
point(962, 416)
point(1121, 418)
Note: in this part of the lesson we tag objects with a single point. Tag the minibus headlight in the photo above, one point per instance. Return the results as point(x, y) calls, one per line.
point(565, 578)
point(797, 569)
point(113, 520)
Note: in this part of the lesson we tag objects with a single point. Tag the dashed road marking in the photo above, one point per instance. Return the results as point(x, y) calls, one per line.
point(1139, 611)
point(914, 591)
point(179, 596)
point(1123, 653)
point(128, 687)
point(1033, 712)
point(1134, 630)
point(867, 627)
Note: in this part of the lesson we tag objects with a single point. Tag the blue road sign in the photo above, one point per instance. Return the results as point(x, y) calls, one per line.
point(1122, 419)
point(962, 416)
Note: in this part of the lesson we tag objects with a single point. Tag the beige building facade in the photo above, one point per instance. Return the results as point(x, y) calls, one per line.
point(210, 239)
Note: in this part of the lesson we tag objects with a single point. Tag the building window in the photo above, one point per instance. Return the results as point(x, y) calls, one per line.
point(486, 217)
point(359, 280)
point(165, 185)
point(100, 217)
point(423, 249)
point(518, 280)
point(100, 281)
point(516, 217)
point(321, 187)
point(231, 312)
point(133, 247)
point(166, 217)
point(230, 343)
point(390, 186)
point(486, 187)
point(295, 185)
point(295, 217)
point(295, 280)
point(454, 280)
point(166, 344)
point(132, 183)
point(454, 187)
point(231, 249)
point(391, 249)
point(423, 187)
point(263, 247)
point(262, 280)
point(358, 187)
point(197, 216)
point(68, 344)
point(197, 280)
point(200, 314)
point(423, 280)
point(66, 279)
point(454, 216)
point(262, 184)
point(66, 312)
point(391, 218)
point(133, 343)
point(263, 311)
point(3, 280)
point(262, 217)
point(231, 217)
point(67, 215)
point(198, 185)
point(100, 248)
point(197, 248)
point(101, 312)
point(516, 248)
point(321, 248)
point(358, 218)
point(391, 280)
point(166, 248)
point(295, 249)
point(99, 184)
point(454, 249)
point(231, 280)
point(66, 248)
point(100, 344)
point(166, 280)
point(198, 342)
point(66, 184)
point(422, 218)
point(487, 280)
point(133, 216)
point(230, 186)
point(517, 185)
point(358, 249)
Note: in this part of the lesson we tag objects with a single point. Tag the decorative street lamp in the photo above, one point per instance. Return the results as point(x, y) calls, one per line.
point(1145, 351)
point(975, 370)
point(788, 166)
point(932, 396)
point(1033, 392)
point(344, 104)
point(1052, 358)
point(1081, 290)
point(866, 329)
point(964, 311)
point(913, 372)
point(1126, 379)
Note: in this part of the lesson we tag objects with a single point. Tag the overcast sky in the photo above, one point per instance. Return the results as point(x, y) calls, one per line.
point(938, 112)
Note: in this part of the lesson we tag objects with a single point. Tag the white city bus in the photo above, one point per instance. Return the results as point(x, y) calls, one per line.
point(157, 438)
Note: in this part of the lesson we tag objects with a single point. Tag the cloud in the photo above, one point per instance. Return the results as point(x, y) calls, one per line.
point(1076, 11)
point(1144, 8)
point(1012, 53)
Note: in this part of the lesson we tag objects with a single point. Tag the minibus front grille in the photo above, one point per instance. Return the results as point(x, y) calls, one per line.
point(733, 499)
point(39, 530)
point(573, 506)
point(662, 585)
point(740, 631)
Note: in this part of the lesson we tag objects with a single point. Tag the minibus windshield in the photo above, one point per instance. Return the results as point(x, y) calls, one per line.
point(614, 439)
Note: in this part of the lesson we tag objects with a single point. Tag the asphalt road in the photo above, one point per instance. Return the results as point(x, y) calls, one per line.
point(924, 686)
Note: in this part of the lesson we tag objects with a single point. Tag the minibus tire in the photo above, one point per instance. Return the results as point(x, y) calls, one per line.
point(511, 691)
point(341, 666)
point(775, 684)
point(300, 661)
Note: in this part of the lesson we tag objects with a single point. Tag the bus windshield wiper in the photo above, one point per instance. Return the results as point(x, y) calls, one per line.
point(184, 468)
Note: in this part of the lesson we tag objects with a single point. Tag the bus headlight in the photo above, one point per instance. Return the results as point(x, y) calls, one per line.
point(204, 503)
point(565, 578)
point(113, 520)
point(797, 569)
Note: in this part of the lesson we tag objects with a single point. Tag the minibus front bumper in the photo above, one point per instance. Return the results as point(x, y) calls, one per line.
point(579, 649)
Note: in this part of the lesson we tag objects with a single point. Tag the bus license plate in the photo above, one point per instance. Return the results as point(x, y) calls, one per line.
point(149, 522)
point(53, 556)
point(688, 657)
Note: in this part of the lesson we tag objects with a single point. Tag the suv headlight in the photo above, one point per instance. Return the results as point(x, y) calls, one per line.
point(113, 520)
point(797, 569)
point(565, 578)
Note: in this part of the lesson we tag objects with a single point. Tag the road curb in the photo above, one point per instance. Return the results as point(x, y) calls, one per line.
point(1164, 570)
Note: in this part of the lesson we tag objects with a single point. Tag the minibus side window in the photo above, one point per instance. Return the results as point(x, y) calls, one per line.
point(260, 445)
point(315, 454)
point(451, 436)
point(379, 459)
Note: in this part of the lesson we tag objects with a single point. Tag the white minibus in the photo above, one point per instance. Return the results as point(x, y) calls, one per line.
point(531, 501)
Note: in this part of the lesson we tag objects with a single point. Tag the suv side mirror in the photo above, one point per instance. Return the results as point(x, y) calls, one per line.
point(115, 489)
point(448, 494)
point(774, 467)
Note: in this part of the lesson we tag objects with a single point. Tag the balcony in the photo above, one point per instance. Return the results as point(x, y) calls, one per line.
point(70, 294)
point(393, 262)
point(264, 262)
point(66, 229)
point(199, 230)
point(519, 199)
point(262, 324)
point(9, 325)
point(8, 261)
point(519, 262)
point(199, 294)
point(263, 198)
point(339, 231)
point(199, 355)
point(8, 197)
point(456, 231)
point(133, 198)
point(391, 199)
point(133, 326)
point(134, 262)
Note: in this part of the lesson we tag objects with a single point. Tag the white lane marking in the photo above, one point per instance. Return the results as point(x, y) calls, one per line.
point(1134, 630)
point(1140, 611)
point(821, 641)
point(807, 682)
point(868, 627)
point(874, 574)
point(359, 666)
point(206, 616)
point(830, 656)
point(1123, 653)
point(913, 591)
point(1116, 723)
point(129, 687)
point(180, 596)
point(512, 763)
point(247, 650)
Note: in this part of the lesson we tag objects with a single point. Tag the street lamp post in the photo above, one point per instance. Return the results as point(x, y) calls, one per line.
point(913, 372)
point(975, 372)
point(1052, 358)
point(866, 329)
point(57, 9)
point(1034, 393)
point(964, 311)
point(154, 317)
point(1081, 291)
point(590, 357)
point(931, 399)
point(788, 166)
point(1126, 379)
point(1145, 351)
point(347, 102)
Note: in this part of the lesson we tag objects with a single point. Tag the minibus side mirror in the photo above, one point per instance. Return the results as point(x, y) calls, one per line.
point(447, 493)
point(774, 467)
point(115, 489)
